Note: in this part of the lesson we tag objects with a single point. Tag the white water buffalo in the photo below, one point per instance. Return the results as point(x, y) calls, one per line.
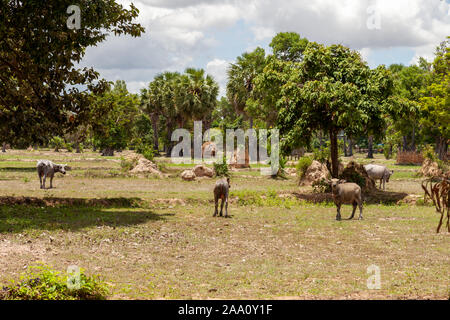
point(46, 168)
point(377, 172)
point(347, 193)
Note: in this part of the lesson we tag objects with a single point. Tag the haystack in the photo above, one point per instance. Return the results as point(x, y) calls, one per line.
point(188, 175)
point(355, 172)
point(202, 171)
point(430, 169)
point(316, 172)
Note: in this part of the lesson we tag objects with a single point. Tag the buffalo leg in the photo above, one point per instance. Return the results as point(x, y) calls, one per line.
point(354, 210)
point(338, 216)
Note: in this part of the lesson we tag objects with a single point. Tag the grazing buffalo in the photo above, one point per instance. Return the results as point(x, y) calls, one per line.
point(346, 193)
point(47, 169)
point(221, 191)
point(377, 172)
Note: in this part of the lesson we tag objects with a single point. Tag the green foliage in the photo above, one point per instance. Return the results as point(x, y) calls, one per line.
point(81, 147)
point(69, 147)
point(41, 80)
point(321, 186)
point(322, 155)
point(127, 165)
point(289, 46)
point(302, 165)
point(221, 168)
point(147, 151)
point(262, 199)
point(57, 143)
point(43, 283)
point(387, 151)
point(428, 153)
point(113, 117)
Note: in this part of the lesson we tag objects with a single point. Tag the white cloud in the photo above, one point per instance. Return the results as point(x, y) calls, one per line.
point(218, 69)
point(180, 33)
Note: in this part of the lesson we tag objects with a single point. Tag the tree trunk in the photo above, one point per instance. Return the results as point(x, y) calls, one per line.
point(108, 152)
point(155, 132)
point(251, 122)
point(169, 140)
point(4, 147)
point(442, 148)
point(334, 154)
point(405, 144)
point(78, 147)
point(370, 154)
point(345, 146)
point(320, 139)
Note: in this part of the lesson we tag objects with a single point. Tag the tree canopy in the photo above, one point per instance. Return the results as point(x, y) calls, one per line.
point(42, 92)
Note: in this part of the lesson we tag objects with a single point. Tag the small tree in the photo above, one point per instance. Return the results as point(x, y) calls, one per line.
point(112, 118)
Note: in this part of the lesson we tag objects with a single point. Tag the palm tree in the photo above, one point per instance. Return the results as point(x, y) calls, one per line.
point(241, 76)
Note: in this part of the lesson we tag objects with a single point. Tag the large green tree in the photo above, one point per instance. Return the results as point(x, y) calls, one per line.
point(435, 100)
point(113, 115)
point(42, 92)
point(333, 90)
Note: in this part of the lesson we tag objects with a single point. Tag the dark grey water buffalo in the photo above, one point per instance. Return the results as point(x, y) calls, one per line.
point(377, 172)
point(47, 169)
point(346, 193)
point(221, 191)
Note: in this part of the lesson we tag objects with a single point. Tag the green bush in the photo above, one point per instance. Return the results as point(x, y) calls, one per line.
point(387, 151)
point(57, 143)
point(128, 165)
point(428, 153)
point(322, 186)
point(302, 165)
point(69, 147)
point(43, 283)
point(147, 151)
point(221, 169)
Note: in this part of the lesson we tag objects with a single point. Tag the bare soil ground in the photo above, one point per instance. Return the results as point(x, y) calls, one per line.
point(153, 238)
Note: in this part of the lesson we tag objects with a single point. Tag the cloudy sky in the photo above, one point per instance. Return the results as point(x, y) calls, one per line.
point(210, 34)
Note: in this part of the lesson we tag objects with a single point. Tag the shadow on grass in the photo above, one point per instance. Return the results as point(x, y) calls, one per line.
point(71, 202)
point(375, 197)
point(17, 219)
point(18, 169)
point(27, 213)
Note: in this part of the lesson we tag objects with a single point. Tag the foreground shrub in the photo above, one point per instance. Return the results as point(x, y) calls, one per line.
point(43, 283)
point(221, 169)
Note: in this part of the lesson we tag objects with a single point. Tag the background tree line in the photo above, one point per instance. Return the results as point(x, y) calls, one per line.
point(316, 95)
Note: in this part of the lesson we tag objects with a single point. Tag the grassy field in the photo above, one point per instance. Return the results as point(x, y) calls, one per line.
point(155, 238)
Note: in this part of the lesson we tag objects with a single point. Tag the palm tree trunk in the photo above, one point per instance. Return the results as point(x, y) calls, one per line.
point(154, 118)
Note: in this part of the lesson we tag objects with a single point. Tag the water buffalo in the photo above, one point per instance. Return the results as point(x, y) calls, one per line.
point(377, 172)
point(46, 168)
point(221, 191)
point(346, 193)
